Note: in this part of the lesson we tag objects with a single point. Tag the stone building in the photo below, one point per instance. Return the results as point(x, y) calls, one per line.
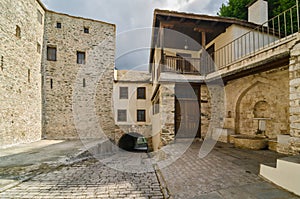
point(132, 102)
point(216, 75)
point(231, 81)
point(52, 65)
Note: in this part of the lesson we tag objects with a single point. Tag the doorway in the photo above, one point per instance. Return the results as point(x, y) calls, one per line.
point(187, 111)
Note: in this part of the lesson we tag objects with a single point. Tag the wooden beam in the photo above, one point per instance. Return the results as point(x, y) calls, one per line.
point(168, 26)
point(200, 29)
point(182, 20)
point(203, 40)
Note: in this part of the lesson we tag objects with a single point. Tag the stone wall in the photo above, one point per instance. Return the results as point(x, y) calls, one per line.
point(120, 130)
point(163, 123)
point(212, 107)
point(20, 65)
point(77, 97)
point(167, 111)
point(205, 100)
point(261, 95)
point(294, 99)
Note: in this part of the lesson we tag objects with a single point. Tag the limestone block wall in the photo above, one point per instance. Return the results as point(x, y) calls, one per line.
point(21, 38)
point(163, 123)
point(205, 100)
point(77, 98)
point(167, 111)
point(261, 95)
point(145, 130)
point(294, 99)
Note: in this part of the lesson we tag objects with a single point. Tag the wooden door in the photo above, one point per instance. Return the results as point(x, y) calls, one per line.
point(187, 112)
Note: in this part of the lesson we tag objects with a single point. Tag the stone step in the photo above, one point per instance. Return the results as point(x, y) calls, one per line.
point(273, 165)
point(286, 173)
point(291, 163)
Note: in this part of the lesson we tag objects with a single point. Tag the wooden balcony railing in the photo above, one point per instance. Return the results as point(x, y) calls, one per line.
point(197, 66)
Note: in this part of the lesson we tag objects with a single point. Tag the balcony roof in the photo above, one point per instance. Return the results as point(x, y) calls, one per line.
point(189, 22)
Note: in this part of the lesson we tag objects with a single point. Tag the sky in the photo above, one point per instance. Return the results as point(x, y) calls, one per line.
point(133, 19)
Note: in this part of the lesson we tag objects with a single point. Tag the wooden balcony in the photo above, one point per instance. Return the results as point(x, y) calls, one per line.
point(194, 66)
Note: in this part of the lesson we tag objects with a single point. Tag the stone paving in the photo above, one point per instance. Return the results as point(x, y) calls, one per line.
point(226, 172)
point(87, 179)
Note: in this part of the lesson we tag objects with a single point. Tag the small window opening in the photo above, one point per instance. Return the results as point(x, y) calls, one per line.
point(51, 53)
point(58, 25)
point(38, 46)
point(2, 63)
point(80, 57)
point(18, 31)
point(28, 75)
point(51, 83)
point(86, 30)
point(83, 82)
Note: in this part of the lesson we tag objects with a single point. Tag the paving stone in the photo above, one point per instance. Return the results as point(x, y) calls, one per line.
point(226, 172)
point(87, 179)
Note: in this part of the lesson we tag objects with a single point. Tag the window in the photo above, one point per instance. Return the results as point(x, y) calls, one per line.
point(51, 83)
point(141, 93)
point(38, 47)
point(80, 57)
point(122, 115)
point(51, 53)
point(58, 25)
point(28, 75)
point(123, 92)
point(86, 30)
point(141, 115)
point(18, 32)
point(155, 105)
point(83, 82)
point(2, 63)
point(39, 17)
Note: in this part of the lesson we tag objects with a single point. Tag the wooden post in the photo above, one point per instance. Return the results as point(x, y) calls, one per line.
point(203, 40)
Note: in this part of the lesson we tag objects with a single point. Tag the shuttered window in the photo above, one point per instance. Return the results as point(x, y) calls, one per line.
point(123, 92)
point(80, 57)
point(122, 115)
point(141, 93)
point(51, 53)
point(141, 115)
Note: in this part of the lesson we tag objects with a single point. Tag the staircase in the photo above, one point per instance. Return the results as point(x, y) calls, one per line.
point(285, 174)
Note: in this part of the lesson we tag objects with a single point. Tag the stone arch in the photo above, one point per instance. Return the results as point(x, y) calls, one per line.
point(261, 100)
point(237, 109)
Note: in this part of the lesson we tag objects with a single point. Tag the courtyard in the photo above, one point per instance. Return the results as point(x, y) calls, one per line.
point(227, 172)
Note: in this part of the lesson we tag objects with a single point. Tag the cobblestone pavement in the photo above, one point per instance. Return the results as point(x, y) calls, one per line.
point(226, 172)
point(87, 179)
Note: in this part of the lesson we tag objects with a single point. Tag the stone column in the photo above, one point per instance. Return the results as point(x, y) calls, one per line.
point(294, 70)
point(167, 113)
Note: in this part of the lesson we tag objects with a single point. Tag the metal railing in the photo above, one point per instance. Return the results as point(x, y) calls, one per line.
point(184, 65)
point(265, 35)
